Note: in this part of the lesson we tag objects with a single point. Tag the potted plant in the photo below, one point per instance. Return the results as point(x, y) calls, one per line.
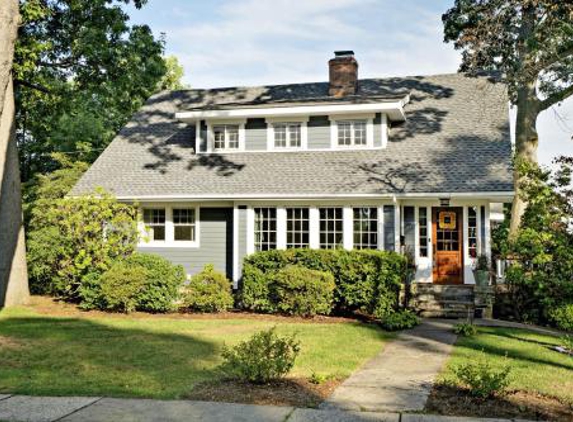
point(482, 271)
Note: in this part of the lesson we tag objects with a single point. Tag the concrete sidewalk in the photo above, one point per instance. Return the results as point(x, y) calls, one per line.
point(96, 409)
point(400, 378)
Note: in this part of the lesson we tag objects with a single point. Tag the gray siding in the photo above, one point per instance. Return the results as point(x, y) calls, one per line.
point(319, 132)
point(203, 140)
point(378, 130)
point(216, 246)
point(242, 237)
point(389, 228)
point(255, 135)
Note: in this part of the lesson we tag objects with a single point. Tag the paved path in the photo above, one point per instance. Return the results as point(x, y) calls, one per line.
point(97, 409)
point(400, 378)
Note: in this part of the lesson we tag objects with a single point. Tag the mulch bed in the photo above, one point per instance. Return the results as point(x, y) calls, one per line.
point(447, 400)
point(297, 392)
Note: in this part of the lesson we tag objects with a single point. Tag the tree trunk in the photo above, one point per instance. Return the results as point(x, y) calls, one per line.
point(526, 142)
point(13, 274)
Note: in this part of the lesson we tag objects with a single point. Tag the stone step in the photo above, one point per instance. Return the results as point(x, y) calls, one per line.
point(444, 314)
point(426, 297)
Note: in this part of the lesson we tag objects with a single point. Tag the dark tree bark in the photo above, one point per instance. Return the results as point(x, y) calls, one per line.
point(13, 273)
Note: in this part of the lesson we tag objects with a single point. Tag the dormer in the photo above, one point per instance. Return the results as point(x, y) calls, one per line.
point(340, 115)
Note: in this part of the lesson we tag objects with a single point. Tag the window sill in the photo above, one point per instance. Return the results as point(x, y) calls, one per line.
point(173, 244)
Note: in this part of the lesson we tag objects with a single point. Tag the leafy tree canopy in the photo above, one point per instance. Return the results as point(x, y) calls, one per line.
point(80, 72)
point(173, 74)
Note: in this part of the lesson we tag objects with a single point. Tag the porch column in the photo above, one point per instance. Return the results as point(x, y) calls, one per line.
point(281, 227)
point(314, 228)
point(487, 233)
point(347, 228)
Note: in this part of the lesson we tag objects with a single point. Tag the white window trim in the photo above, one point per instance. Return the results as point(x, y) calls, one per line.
point(369, 118)
point(169, 241)
point(271, 122)
point(211, 136)
point(384, 130)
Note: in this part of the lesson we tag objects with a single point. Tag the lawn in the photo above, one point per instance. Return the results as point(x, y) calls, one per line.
point(541, 379)
point(58, 351)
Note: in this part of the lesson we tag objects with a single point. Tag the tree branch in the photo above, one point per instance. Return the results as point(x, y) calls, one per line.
point(556, 98)
point(32, 86)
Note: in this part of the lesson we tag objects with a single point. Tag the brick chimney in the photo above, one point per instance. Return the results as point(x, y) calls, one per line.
point(343, 72)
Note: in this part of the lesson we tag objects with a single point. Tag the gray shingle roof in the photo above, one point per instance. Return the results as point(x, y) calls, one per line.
point(456, 139)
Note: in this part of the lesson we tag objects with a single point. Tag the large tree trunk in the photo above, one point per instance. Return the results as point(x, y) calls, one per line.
point(526, 142)
point(13, 274)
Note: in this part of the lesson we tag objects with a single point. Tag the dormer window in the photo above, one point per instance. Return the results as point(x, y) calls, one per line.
point(225, 137)
point(351, 133)
point(287, 135)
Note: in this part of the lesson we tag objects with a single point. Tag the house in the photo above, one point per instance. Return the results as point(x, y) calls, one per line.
point(411, 164)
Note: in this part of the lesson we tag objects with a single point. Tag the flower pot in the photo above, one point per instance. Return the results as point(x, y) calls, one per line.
point(482, 277)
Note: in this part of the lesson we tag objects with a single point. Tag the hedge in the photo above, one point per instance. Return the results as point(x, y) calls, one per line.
point(365, 280)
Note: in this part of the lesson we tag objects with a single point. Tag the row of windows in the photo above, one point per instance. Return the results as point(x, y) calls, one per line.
point(184, 224)
point(289, 135)
point(331, 228)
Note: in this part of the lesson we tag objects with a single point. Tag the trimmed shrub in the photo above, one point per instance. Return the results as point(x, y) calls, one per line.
point(465, 329)
point(158, 292)
point(163, 282)
point(562, 316)
point(399, 320)
point(120, 287)
point(365, 280)
point(266, 356)
point(481, 378)
point(208, 291)
point(300, 291)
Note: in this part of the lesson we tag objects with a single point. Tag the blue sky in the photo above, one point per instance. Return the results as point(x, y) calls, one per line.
point(253, 42)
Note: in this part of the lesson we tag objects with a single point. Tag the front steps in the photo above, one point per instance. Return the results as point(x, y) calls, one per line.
point(441, 301)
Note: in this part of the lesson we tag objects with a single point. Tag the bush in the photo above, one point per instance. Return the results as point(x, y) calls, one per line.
point(465, 329)
point(163, 282)
point(365, 280)
point(121, 286)
point(263, 358)
point(208, 291)
point(481, 378)
point(75, 240)
point(562, 316)
point(300, 291)
point(158, 291)
point(399, 320)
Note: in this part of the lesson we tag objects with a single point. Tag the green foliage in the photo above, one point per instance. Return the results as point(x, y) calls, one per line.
point(266, 356)
point(163, 282)
point(368, 281)
point(78, 239)
point(208, 291)
point(524, 40)
point(120, 287)
point(567, 342)
point(317, 379)
point(174, 72)
point(465, 329)
point(399, 320)
point(562, 316)
point(152, 285)
point(482, 379)
point(300, 291)
point(80, 72)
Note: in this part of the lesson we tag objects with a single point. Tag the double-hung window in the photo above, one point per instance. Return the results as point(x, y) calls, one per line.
point(365, 228)
point(298, 228)
point(154, 220)
point(287, 135)
point(331, 228)
point(265, 229)
point(184, 224)
point(225, 137)
point(351, 133)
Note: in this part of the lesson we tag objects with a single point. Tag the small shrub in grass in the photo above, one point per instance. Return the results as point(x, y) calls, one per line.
point(562, 316)
point(567, 342)
point(303, 292)
point(120, 287)
point(465, 329)
point(266, 356)
point(399, 320)
point(208, 291)
point(317, 379)
point(481, 378)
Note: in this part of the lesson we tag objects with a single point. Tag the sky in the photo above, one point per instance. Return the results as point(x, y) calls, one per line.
point(258, 42)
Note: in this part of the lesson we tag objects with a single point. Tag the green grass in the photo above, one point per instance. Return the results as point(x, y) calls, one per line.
point(534, 366)
point(155, 357)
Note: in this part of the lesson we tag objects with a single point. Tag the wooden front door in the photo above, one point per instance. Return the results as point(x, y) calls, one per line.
point(447, 224)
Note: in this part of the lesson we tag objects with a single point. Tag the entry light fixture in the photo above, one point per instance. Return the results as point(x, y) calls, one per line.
point(445, 202)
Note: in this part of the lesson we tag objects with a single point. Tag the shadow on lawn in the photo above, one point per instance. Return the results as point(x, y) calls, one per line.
point(79, 356)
